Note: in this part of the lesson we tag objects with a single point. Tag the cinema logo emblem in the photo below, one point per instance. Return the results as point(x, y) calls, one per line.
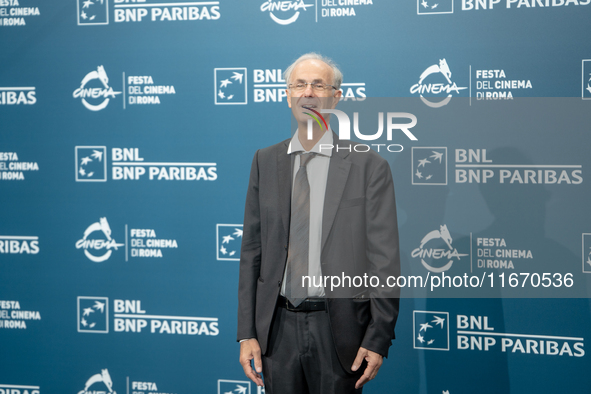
point(430, 256)
point(436, 89)
point(98, 383)
point(95, 94)
point(87, 243)
point(284, 7)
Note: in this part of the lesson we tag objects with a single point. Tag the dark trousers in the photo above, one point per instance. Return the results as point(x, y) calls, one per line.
point(301, 358)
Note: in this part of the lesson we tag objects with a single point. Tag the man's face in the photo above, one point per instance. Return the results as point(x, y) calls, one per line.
point(314, 71)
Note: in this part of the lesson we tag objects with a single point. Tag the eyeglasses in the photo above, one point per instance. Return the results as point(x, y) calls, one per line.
point(317, 87)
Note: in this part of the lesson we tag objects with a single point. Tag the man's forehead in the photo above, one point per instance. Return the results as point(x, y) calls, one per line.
point(313, 66)
point(305, 80)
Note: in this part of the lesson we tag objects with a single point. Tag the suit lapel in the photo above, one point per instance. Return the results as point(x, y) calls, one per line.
point(338, 172)
point(284, 177)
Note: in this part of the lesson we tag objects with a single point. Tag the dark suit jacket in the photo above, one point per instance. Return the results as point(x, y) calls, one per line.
point(359, 236)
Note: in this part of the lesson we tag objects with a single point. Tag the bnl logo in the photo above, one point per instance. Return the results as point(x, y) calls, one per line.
point(429, 165)
point(431, 330)
point(91, 164)
point(93, 12)
point(229, 241)
point(586, 82)
point(234, 387)
point(587, 253)
point(425, 7)
point(230, 86)
point(93, 314)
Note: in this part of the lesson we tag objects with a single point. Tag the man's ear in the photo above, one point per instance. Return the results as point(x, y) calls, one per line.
point(288, 97)
point(336, 98)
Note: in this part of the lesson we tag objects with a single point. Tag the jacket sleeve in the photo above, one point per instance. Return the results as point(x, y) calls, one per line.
point(250, 257)
point(384, 257)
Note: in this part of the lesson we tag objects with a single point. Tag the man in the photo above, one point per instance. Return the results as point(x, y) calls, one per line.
point(315, 207)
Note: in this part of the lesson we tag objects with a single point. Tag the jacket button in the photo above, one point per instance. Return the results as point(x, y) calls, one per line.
point(279, 283)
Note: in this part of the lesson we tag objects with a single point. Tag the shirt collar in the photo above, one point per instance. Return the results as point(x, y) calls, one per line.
point(296, 146)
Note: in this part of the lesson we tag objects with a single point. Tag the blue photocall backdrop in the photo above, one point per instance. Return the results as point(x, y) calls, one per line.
point(127, 130)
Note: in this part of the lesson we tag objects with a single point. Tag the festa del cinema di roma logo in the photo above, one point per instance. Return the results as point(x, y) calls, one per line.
point(436, 89)
point(95, 95)
point(106, 242)
point(434, 254)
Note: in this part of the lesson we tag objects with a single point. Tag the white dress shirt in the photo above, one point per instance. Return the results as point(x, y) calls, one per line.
point(317, 171)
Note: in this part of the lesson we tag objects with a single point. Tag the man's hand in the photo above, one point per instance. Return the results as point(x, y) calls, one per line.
point(374, 362)
point(250, 350)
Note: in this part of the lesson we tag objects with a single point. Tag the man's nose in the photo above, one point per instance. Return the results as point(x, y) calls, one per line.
point(308, 92)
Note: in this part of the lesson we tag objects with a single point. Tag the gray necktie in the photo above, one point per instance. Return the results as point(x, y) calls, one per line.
point(299, 235)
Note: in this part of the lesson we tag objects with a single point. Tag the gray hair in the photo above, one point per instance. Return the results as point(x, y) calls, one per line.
point(337, 74)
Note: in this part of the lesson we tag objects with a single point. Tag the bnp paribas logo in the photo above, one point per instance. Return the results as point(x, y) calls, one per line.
point(234, 387)
point(91, 163)
point(431, 330)
point(425, 7)
point(230, 86)
point(586, 82)
point(93, 12)
point(429, 165)
point(587, 253)
point(229, 241)
point(93, 314)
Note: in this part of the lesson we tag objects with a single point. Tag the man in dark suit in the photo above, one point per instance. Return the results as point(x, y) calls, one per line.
point(316, 208)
